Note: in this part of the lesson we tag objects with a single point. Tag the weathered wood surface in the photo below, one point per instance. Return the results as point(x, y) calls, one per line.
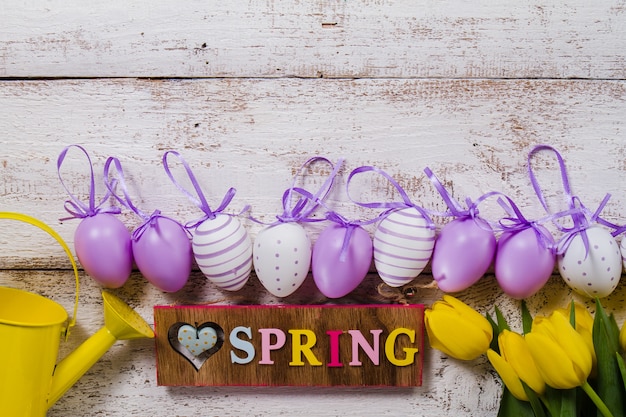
point(388, 39)
point(247, 91)
point(254, 135)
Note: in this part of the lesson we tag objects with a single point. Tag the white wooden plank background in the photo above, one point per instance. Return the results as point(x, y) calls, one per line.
point(247, 91)
point(452, 38)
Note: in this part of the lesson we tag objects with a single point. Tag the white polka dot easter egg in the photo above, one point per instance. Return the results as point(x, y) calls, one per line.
point(622, 248)
point(403, 245)
point(282, 257)
point(223, 251)
point(596, 274)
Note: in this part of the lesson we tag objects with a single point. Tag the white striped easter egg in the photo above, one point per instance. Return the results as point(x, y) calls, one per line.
point(403, 245)
point(223, 251)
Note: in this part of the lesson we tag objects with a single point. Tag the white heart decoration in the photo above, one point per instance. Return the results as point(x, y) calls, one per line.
point(197, 341)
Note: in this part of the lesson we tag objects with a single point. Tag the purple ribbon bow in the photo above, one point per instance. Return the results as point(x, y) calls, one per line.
point(200, 201)
point(581, 217)
point(148, 220)
point(74, 205)
point(302, 209)
point(389, 206)
point(454, 207)
point(516, 222)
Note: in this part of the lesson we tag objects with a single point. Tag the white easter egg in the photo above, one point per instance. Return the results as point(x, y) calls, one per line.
point(223, 251)
point(403, 245)
point(622, 248)
point(596, 274)
point(282, 257)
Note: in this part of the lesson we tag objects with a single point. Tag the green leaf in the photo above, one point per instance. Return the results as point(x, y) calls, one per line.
point(535, 403)
point(527, 319)
point(622, 368)
point(568, 403)
point(502, 324)
point(494, 342)
point(572, 314)
point(609, 378)
point(512, 407)
point(553, 398)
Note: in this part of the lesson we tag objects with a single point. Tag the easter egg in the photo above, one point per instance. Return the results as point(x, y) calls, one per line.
point(334, 275)
point(403, 245)
point(103, 248)
point(596, 272)
point(463, 253)
point(223, 251)
point(523, 264)
point(163, 254)
point(282, 257)
point(622, 248)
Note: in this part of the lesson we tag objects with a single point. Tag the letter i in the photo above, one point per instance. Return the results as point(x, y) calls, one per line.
point(334, 348)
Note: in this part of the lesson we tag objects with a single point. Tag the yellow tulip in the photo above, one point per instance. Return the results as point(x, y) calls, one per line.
point(584, 326)
point(561, 354)
point(622, 337)
point(516, 364)
point(457, 330)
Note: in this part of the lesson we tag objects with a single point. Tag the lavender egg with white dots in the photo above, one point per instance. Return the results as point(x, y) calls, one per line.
point(594, 271)
point(282, 257)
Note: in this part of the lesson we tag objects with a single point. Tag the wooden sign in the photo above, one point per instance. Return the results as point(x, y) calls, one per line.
point(379, 345)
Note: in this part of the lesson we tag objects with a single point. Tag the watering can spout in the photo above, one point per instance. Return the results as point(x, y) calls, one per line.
point(120, 323)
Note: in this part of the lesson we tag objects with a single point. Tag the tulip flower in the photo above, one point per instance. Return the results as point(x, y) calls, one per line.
point(584, 326)
point(560, 352)
point(515, 364)
point(457, 330)
point(562, 356)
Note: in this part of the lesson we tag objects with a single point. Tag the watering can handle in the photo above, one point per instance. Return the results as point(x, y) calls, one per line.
point(31, 220)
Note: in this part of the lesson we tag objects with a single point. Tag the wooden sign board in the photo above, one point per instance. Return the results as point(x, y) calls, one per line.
point(377, 345)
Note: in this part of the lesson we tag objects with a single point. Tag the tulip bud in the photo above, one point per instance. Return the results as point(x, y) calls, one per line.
point(457, 330)
point(515, 364)
point(584, 326)
point(561, 354)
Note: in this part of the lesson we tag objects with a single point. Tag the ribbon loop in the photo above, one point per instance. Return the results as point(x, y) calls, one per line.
point(388, 206)
point(516, 222)
point(308, 202)
point(74, 206)
point(111, 184)
point(455, 208)
point(581, 217)
point(201, 201)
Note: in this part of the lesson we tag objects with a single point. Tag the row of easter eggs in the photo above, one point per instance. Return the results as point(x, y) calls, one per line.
point(404, 242)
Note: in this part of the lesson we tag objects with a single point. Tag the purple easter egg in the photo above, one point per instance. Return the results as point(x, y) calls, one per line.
point(336, 276)
point(523, 265)
point(463, 253)
point(103, 247)
point(163, 254)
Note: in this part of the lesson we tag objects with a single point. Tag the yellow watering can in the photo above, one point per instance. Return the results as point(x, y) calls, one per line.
point(31, 326)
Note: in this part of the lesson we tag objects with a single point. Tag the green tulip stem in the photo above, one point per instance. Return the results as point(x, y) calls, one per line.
point(596, 400)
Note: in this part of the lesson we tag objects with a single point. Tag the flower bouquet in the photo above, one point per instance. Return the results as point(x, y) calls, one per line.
point(569, 363)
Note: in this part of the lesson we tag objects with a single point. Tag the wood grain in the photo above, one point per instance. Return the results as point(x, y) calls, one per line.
point(324, 365)
point(248, 91)
point(254, 135)
point(330, 39)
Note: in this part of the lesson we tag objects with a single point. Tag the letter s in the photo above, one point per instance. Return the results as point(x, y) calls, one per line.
point(242, 345)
